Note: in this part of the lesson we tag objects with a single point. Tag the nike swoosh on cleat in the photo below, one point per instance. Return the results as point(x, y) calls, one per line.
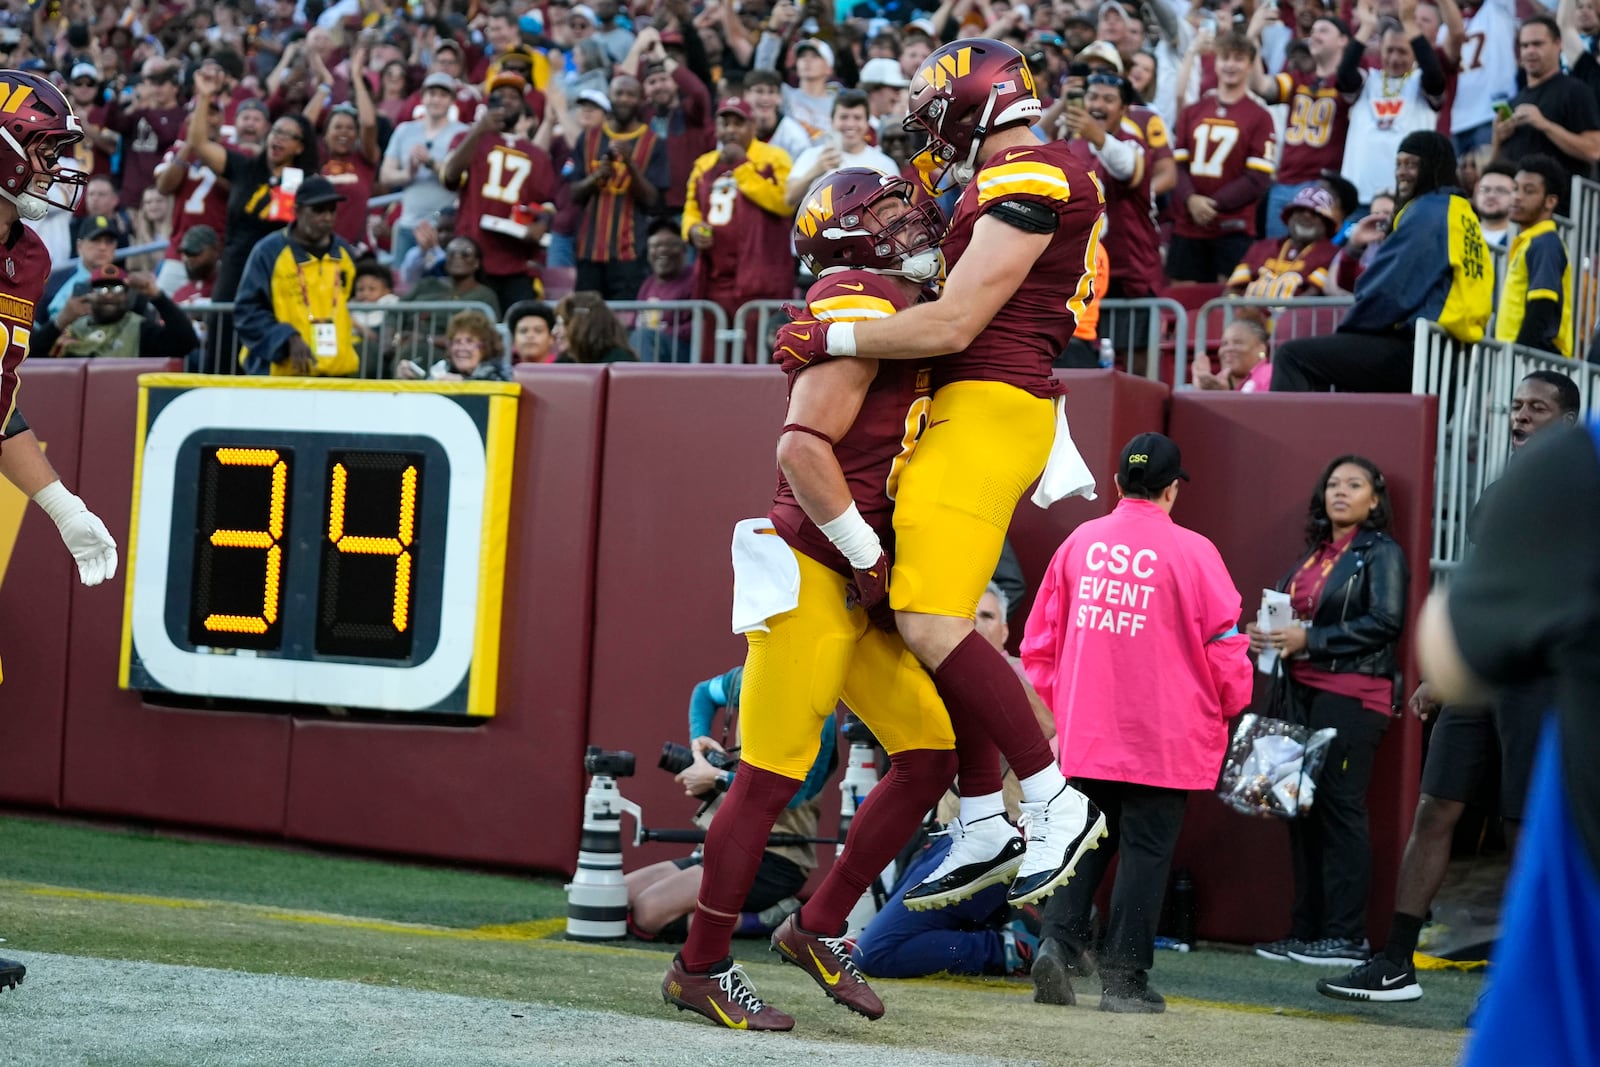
point(1387, 982)
point(831, 979)
point(742, 1024)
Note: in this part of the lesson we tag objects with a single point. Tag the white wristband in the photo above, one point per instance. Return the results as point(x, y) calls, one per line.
point(58, 502)
point(852, 536)
point(842, 339)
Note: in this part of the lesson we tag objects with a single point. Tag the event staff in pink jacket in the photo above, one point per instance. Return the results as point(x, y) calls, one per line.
point(1134, 644)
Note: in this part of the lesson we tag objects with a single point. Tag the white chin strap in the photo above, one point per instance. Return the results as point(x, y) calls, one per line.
point(963, 172)
point(922, 266)
point(29, 206)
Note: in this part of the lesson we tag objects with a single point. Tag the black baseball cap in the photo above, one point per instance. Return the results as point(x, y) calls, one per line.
point(97, 226)
point(1151, 461)
point(316, 190)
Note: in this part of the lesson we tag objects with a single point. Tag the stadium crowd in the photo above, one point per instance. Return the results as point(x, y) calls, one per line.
point(659, 151)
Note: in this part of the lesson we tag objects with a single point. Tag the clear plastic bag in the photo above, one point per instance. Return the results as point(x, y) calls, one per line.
point(1272, 767)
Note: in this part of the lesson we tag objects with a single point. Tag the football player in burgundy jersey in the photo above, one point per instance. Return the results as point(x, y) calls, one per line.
point(850, 428)
point(39, 129)
point(506, 181)
point(1021, 251)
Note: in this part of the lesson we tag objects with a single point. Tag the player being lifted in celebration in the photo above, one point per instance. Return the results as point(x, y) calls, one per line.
point(1020, 249)
point(809, 582)
point(39, 127)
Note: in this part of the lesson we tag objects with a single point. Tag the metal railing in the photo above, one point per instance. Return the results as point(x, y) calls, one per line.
point(1583, 253)
point(749, 336)
point(1145, 331)
point(385, 334)
point(1291, 318)
point(674, 331)
point(1474, 384)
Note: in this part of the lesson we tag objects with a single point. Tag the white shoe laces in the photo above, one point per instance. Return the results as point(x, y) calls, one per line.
point(840, 947)
point(736, 984)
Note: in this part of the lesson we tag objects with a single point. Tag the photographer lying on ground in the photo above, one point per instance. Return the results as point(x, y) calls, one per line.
point(662, 895)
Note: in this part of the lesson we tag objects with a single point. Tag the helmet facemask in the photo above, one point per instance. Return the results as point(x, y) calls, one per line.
point(43, 182)
point(909, 240)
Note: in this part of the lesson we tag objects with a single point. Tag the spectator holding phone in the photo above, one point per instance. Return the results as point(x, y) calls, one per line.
point(507, 186)
point(1555, 115)
point(103, 324)
point(413, 160)
point(261, 188)
point(844, 146)
point(622, 169)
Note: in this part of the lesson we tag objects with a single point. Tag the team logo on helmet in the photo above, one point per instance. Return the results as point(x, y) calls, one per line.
point(856, 218)
point(963, 92)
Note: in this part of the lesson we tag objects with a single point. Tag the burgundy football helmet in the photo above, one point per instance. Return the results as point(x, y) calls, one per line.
point(36, 127)
point(963, 92)
point(845, 222)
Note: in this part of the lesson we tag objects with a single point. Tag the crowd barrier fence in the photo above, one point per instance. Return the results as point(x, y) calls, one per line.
point(387, 334)
point(656, 328)
point(1583, 254)
point(1474, 384)
point(1291, 318)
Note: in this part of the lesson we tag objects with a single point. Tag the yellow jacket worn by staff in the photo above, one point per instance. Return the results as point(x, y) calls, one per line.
point(285, 291)
point(1536, 301)
point(1434, 265)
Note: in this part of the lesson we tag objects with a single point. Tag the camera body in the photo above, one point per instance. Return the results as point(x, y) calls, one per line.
point(676, 758)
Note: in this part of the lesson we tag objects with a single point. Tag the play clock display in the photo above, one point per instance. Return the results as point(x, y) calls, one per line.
point(319, 541)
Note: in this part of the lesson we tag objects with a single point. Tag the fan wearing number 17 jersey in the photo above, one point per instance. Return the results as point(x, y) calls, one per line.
point(1021, 251)
point(1225, 147)
point(507, 186)
point(850, 428)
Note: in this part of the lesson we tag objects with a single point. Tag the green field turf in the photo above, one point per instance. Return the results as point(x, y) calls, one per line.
point(134, 895)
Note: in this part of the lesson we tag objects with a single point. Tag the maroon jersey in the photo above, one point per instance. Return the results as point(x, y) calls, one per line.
point(1132, 240)
point(504, 189)
point(687, 130)
point(354, 177)
point(202, 199)
point(1278, 269)
point(1034, 325)
point(1313, 138)
point(92, 159)
point(874, 450)
point(749, 258)
point(1217, 143)
point(146, 136)
point(24, 268)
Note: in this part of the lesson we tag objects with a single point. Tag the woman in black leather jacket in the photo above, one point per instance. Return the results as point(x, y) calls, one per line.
point(1348, 593)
